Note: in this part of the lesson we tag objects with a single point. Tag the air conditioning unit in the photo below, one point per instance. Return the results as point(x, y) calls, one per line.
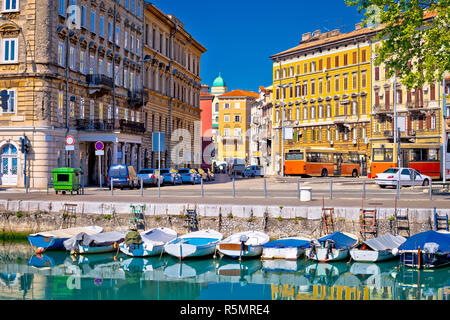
point(354, 141)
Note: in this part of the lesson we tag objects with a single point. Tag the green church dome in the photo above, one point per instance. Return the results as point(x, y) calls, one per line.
point(219, 82)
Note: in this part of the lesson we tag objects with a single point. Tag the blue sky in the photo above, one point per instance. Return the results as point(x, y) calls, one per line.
point(240, 36)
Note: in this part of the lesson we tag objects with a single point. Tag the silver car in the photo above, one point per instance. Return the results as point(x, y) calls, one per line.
point(406, 176)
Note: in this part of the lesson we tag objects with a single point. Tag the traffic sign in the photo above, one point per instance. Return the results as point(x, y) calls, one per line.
point(70, 140)
point(99, 152)
point(99, 145)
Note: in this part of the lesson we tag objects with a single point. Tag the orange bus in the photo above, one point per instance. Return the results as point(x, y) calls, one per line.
point(425, 159)
point(322, 162)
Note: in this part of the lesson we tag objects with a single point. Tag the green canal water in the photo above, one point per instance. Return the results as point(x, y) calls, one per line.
point(59, 276)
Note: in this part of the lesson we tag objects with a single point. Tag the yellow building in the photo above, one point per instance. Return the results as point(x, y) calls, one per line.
point(234, 124)
point(419, 119)
point(324, 87)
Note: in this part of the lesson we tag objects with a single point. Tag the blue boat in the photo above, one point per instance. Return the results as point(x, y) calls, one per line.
point(429, 249)
point(54, 239)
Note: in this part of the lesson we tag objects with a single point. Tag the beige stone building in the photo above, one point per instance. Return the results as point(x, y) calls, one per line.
point(75, 67)
point(172, 80)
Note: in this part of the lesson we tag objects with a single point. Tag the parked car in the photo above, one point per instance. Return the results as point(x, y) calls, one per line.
point(123, 176)
point(171, 176)
point(203, 174)
point(253, 171)
point(407, 177)
point(150, 176)
point(189, 176)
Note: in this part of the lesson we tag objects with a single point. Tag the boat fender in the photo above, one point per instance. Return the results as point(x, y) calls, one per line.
point(115, 245)
point(395, 251)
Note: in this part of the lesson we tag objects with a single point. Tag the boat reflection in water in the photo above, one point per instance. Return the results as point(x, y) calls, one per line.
point(188, 268)
point(57, 275)
point(232, 270)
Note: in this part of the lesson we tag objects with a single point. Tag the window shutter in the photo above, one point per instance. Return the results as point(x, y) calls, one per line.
point(432, 92)
point(377, 73)
point(377, 98)
point(320, 65)
point(408, 96)
point(428, 121)
point(354, 58)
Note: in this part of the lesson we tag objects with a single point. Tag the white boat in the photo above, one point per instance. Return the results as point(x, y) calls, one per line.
point(83, 243)
point(151, 244)
point(377, 249)
point(285, 248)
point(333, 247)
point(194, 244)
point(244, 244)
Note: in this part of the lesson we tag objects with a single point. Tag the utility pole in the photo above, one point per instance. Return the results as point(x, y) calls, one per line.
point(444, 132)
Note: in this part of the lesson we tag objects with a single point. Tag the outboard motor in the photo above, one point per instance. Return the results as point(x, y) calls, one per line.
point(329, 245)
point(313, 249)
point(243, 239)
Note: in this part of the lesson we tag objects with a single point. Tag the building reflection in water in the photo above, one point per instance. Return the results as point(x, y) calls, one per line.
point(57, 275)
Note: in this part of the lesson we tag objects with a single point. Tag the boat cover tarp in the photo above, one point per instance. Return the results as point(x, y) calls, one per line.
point(286, 243)
point(70, 232)
point(158, 236)
point(95, 240)
point(420, 239)
point(385, 242)
point(341, 241)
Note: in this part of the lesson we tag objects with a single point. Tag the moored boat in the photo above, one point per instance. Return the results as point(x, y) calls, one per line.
point(194, 244)
point(285, 248)
point(54, 239)
point(83, 243)
point(243, 244)
point(429, 249)
point(332, 247)
point(378, 249)
point(147, 243)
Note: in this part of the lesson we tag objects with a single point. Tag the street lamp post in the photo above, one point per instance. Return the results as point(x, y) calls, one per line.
point(444, 132)
point(283, 111)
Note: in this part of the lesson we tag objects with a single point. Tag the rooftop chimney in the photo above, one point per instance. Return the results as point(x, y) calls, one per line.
point(359, 26)
point(306, 36)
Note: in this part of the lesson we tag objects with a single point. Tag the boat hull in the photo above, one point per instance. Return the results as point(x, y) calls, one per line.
point(47, 243)
point(235, 250)
point(185, 250)
point(92, 250)
point(370, 255)
point(427, 260)
point(321, 254)
point(282, 253)
point(142, 250)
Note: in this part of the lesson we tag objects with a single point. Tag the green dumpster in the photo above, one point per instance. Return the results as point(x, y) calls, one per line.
point(67, 179)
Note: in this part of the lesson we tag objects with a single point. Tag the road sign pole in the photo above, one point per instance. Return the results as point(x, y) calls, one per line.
point(100, 170)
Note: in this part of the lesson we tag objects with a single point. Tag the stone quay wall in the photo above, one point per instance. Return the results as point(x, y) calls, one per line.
point(277, 221)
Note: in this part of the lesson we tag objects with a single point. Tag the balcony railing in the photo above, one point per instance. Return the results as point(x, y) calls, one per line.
point(99, 80)
point(388, 133)
point(94, 125)
point(124, 126)
point(131, 127)
point(137, 98)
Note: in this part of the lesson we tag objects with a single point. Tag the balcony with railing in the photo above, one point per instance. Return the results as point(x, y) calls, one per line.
point(124, 126)
point(137, 98)
point(99, 81)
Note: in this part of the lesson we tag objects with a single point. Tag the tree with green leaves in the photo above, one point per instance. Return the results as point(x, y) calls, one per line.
point(414, 37)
